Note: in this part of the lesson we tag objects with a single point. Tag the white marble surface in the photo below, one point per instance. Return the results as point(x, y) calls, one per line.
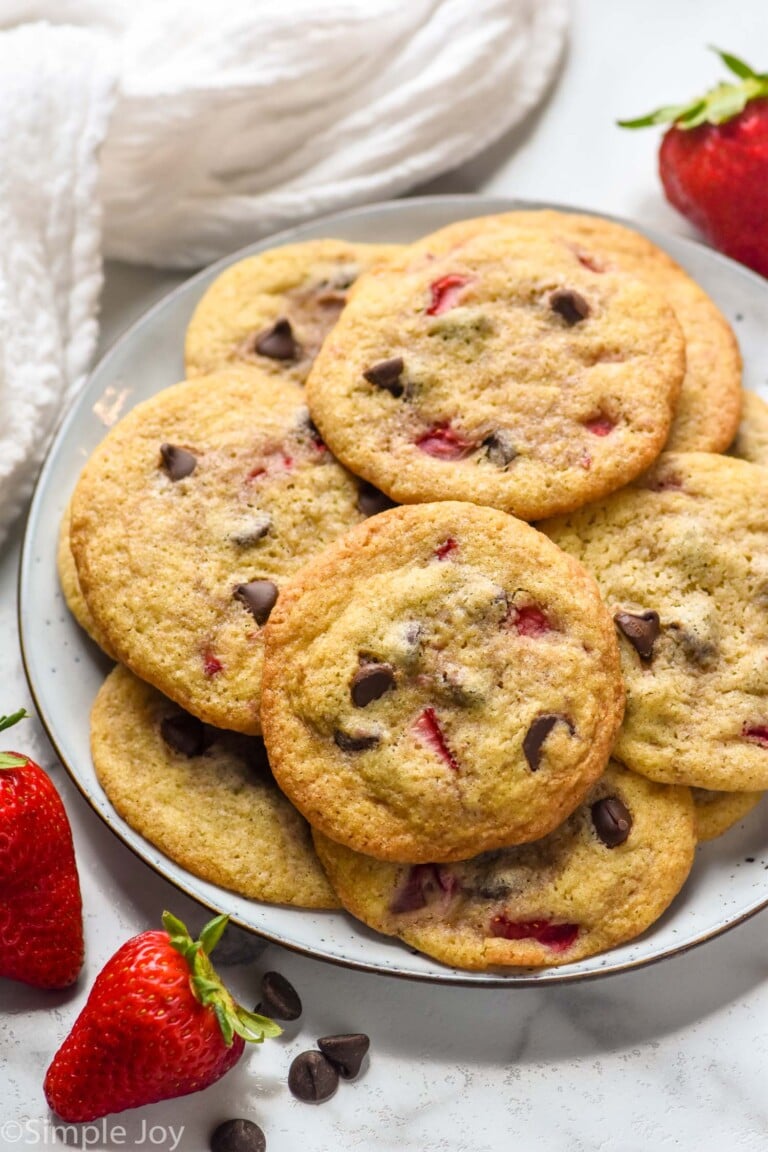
point(670, 1057)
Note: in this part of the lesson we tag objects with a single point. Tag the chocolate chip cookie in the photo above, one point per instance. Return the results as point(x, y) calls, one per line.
point(716, 812)
point(70, 586)
point(708, 409)
point(275, 309)
point(204, 797)
point(751, 442)
point(187, 520)
point(440, 681)
point(599, 879)
point(681, 558)
point(489, 363)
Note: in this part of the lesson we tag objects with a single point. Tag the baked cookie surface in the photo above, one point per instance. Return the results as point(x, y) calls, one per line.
point(488, 363)
point(681, 558)
point(70, 585)
point(187, 520)
point(716, 812)
point(275, 309)
point(440, 681)
point(709, 405)
point(751, 442)
point(204, 797)
point(598, 880)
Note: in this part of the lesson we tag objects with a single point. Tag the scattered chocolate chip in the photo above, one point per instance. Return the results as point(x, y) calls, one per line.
point(254, 530)
point(387, 375)
point(641, 629)
point(345, 1052)
point(500, 448)
point(370, 501)
point(238, 1136)
point(357, 742)
point(569, 304)
point(537, 734)
point(177, 462)
point(612, 821)
point(312, 1078)
point(279, 998)
point(370, 682)
point(184, 733)
point(259, 597)
point(278, 342)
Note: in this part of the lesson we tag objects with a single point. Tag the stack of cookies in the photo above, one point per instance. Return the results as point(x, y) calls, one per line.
point(350, 671)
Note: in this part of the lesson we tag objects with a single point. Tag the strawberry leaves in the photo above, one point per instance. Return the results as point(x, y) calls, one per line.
point(722, 103)
point(233, 1019)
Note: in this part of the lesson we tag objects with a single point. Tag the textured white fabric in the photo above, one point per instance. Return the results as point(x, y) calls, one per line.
point(55, 99)
point(193, 129)
point(234, 120)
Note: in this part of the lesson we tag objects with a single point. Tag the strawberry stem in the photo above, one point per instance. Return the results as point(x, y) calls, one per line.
point(9, 721)
point(207, 986)
point(717, 106)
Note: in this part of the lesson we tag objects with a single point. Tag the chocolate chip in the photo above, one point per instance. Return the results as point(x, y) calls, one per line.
point(612, 821)
point(254, 530)
point(357, 742)
point(537, 734)
point(184, 733)
point(371, 501)
point(370, 682)
point(279, 998)
point(312, 1078)
point(501, 449)
point(177, 462)
point(238, 1136)
point(387, 375)
point(259, 597)
point(278, 342)
point(346, 1052)
point(641, 629)
point(570, 305)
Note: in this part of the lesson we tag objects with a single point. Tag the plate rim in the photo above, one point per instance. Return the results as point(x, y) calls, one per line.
point(514, 978)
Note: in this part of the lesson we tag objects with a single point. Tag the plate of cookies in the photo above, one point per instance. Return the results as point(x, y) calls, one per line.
point(399, 587)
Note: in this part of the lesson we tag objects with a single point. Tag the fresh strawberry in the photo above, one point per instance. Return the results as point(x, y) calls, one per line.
point(713, 162)
point(41, 912)
point(158, 1023)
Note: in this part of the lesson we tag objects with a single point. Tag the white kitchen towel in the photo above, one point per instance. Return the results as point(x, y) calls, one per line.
point(193, 130)
point(56, 90)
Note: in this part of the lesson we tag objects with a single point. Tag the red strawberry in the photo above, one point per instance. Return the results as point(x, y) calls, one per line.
point(158, 1023)
point(713, 162)
point(41, 912)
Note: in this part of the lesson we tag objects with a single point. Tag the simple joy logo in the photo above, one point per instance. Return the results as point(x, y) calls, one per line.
point(103, 1134)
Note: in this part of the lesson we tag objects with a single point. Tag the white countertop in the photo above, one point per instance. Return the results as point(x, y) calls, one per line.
point(671, 1056)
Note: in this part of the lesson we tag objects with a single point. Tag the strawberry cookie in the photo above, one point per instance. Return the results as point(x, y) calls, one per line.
point(204, 797)
point(681, 558)
point(440, 681)
point(490, 363)
point(598, 880)
point(716, 812)
point(187, 520)
point(751, 441)
point(70, 585)
point(707, 413)
point(275, 309)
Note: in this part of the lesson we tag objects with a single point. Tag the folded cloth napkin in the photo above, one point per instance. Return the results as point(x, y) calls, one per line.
point(192, 131)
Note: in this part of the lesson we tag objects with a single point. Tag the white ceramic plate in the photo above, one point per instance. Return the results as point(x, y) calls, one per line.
point(730, 879)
